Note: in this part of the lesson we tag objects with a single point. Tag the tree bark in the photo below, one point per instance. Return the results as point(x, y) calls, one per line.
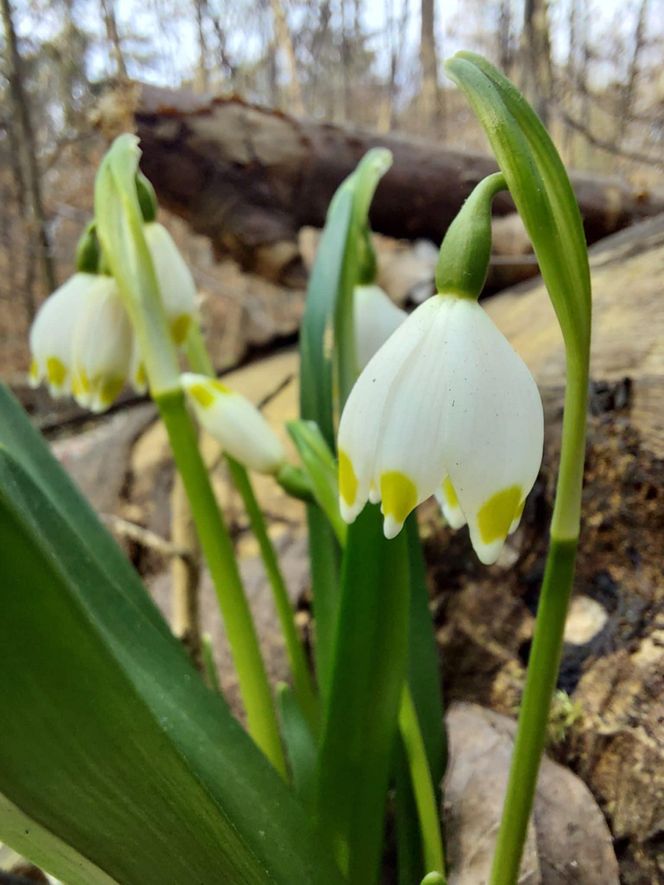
point(112, 33)
point(202, 73)
point(536, 52)
point(23, 135)
point(250, 178)
point(430, 94)
point(285, 44)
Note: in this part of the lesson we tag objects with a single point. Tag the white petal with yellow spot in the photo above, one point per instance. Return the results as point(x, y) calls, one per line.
point(235, 423)
point(176, 284)
point(102, 346)
point(446, 407)
point(52, 334)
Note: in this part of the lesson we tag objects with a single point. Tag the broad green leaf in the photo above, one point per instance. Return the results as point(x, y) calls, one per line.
point(369, 668)
point(111, 743)
point(328, 367)
point(316, 331)
point(19, 437)
point(426, 690)
point(423, 663)
point(300, 745)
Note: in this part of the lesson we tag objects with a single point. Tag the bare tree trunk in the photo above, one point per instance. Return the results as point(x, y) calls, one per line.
point(23, 133)
point(505, 53)
point(345, 66)
point(202, 74)
point(627, 92)
point(536, 51)
point(108, 12)
point(285, 44)
point(430, 95)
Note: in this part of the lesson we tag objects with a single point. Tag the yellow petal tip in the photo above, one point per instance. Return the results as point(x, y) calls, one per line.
point(496, 515)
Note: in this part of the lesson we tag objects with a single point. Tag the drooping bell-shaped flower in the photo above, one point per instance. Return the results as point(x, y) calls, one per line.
point(446, 406)
point(52, 334)
point(81, 341)
point(235, 423)
point(102, 347)
point(176, 284)
point(375, 317)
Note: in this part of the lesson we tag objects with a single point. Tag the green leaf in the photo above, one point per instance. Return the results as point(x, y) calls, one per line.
point(369, 668)
point(423, 663)
point(545, 201)
point(300, 745)
point(320, 467)
point(327, 349)
point(539, 186)
point(26, 445)
point(111, 743)
point(426, 690)
point(316, 390)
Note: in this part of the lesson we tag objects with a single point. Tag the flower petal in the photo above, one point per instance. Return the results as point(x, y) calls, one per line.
point(176, 284)
point(52, 334)
point(375, 318)
point(494, 428)
point(103, 343)
point(235, 423)
point(366, 411)
point(411, 444)
point(449, 504)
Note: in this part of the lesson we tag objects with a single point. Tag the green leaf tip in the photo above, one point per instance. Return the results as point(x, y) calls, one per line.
point(540, 187)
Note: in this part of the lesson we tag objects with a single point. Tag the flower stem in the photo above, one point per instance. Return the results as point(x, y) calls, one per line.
point(200, 361)
point(218, 549)
point(423, 789)
point(531, 734)
point(303, 683)
point(549, 628)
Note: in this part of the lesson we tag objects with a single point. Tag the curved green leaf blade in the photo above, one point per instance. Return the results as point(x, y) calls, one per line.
point(27, 446)
point(539, 185)
point(111, 743)
point(545, 200)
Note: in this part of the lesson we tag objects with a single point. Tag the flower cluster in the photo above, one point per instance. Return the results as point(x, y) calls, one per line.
point(82, 342)
point(445, 407)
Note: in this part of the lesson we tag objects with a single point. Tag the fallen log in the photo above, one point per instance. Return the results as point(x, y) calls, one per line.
point(249, 178)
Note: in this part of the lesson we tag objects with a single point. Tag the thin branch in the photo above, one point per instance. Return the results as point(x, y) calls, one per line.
point(608, 146)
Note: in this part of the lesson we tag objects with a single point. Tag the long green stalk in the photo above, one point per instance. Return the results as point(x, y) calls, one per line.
point(218, 549)
point(302, 680)
point(548, 637)
point(423, 789)
point(200, 361)
point(531, 733)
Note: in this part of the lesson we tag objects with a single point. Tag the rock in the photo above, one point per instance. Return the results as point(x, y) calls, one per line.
point(97, 459)
point(568, 840)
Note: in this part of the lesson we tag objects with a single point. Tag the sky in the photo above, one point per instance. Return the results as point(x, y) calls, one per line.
point(177, 46)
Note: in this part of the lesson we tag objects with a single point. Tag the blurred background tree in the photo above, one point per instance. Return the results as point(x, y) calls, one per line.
point(593, 69)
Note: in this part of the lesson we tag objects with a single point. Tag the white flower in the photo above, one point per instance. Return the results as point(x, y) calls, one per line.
point(176, 284)
point(375, 317)
point(446, 406)
point(235, 423)
point(52, 332)
point(81, 341)
point(102, 347)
